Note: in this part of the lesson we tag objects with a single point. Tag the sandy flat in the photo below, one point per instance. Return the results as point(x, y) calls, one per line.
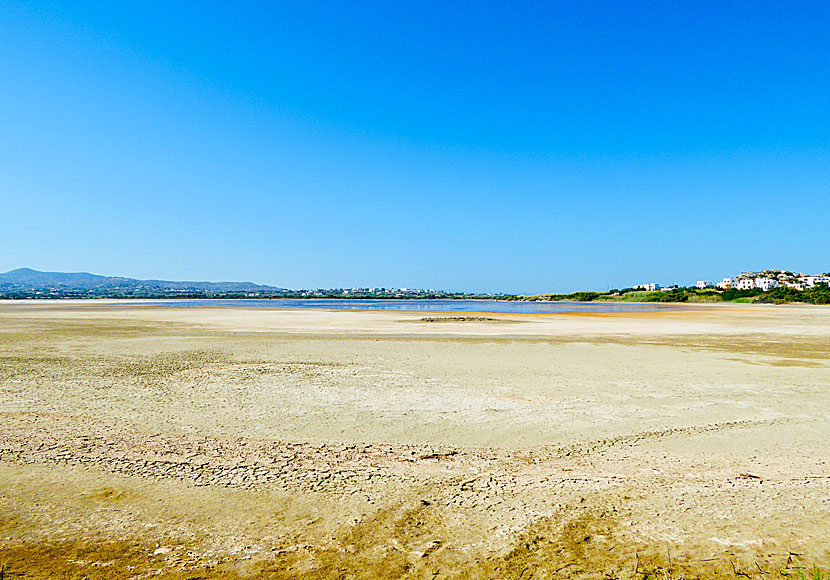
point(142, 440)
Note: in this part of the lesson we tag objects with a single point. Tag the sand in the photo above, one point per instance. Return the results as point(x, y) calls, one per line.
point(142, 441)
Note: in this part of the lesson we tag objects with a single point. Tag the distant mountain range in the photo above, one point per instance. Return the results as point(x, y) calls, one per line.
point(26, 278)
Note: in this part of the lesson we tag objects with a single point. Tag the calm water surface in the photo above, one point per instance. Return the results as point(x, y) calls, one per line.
point(426, 305)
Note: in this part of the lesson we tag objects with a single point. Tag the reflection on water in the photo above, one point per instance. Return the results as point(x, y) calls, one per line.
point(427, 305)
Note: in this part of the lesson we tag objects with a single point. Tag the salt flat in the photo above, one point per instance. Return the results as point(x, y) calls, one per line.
point(360, 444)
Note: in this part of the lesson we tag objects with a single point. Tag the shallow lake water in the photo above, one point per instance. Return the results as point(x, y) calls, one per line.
point(494, 306)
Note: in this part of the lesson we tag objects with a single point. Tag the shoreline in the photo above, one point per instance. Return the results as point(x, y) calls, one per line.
point(598, 303)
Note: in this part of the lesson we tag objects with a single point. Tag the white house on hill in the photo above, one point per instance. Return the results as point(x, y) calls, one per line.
point(765, 284)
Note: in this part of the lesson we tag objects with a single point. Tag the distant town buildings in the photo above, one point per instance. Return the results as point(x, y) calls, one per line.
point(767, 280)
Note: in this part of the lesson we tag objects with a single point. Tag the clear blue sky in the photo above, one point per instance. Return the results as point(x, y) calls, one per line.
point(469, 146)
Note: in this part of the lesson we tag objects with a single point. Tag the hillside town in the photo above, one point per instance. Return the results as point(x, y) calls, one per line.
point(769, 279)
point(765, 280)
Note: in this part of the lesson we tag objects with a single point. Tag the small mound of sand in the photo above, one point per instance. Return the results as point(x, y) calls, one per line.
point(458, 319)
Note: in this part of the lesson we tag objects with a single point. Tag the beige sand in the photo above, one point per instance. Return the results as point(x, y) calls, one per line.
point(357, 444)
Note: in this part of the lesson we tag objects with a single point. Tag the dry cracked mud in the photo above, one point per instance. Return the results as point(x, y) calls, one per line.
point(152, 442)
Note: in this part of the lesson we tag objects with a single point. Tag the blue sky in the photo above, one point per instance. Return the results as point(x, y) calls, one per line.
point(511, 146)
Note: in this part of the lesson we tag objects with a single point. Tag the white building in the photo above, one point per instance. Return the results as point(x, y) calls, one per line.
point(744, 284)
point(703, 284)
point(725, 284)
point(813, 280)
point(650, 287)
point(765, 284)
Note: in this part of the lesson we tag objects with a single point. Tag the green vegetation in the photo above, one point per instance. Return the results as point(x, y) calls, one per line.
point(819, 294)
point(733, 294)
point(814, 574)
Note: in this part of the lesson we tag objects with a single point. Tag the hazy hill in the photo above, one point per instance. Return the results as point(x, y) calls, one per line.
point(34, 279)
